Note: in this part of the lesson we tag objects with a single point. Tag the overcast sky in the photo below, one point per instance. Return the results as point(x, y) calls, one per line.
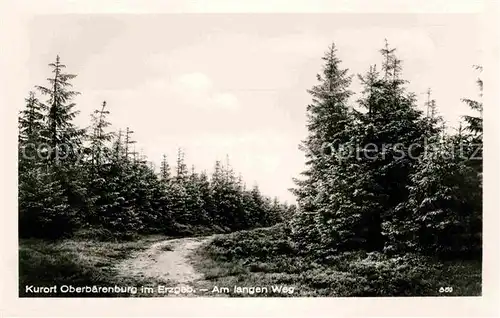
point(217, 84)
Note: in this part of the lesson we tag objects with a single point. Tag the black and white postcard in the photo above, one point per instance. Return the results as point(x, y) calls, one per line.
point(232, 150)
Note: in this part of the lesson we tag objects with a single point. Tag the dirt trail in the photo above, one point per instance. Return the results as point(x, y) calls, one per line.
point(165, 262)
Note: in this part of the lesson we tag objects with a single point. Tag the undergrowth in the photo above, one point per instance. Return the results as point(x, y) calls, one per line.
point(266, 257)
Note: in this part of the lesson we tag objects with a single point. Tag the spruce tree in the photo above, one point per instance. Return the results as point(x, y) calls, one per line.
point(474, 126)
point(328, 118)
point(257, 208)
point(433, 120)
point(44, 210)
point(100, 138)
point(181, 167)
point(31, 126)
point(445, 201)
point(206, 199)
point(42, 203)
point(475, 123)
point(391, 134)
point(194, 203)
point(178, 191)
point(445, 195)
point(217, 190)
point(31, 118)
point(129, 143)
point(99, 165)
point(64, 137)
point(164, 169)
point(65, 192)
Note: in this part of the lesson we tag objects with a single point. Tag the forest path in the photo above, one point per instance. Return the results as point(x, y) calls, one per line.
point(166, 262)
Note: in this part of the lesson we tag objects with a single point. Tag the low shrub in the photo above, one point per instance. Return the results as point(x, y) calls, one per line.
point(266, 256)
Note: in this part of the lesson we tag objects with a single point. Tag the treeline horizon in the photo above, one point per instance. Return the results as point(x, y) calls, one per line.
point(73, 178)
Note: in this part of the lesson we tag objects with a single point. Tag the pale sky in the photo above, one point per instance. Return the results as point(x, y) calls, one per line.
point(217, 84)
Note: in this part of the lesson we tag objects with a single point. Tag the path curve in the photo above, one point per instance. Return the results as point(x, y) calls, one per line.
point(165, 262)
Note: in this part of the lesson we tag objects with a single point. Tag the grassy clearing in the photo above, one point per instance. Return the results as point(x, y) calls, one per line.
point(265, 257)
point(77, 262)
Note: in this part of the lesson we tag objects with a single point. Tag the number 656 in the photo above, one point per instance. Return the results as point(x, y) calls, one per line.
point(446, 289)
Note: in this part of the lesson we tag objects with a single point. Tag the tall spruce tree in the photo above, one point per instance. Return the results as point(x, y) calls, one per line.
point(391, 134)
point(65, 192)
point(328, 118)
point(42, 203)
point(64, 137)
